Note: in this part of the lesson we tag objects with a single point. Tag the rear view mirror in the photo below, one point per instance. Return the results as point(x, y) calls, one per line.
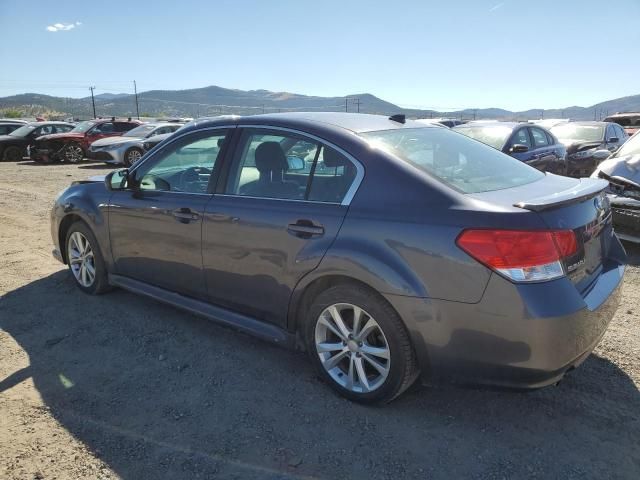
point(519, 148)
point(295, 163)
point(117, 180)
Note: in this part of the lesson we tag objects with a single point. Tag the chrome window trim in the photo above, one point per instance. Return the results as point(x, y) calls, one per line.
point(348, 197)
point(346, 201)
point(314, 202)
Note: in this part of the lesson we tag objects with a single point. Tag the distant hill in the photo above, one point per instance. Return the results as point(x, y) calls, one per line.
point(214, 100)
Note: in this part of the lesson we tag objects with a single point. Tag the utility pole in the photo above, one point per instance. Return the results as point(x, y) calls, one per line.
point(346, 104)
point(357, 102)
point(542, 114)
point(135, 90)
point(93, 102)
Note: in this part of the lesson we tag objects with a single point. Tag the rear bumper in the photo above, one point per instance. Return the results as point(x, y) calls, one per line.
point(523, 336)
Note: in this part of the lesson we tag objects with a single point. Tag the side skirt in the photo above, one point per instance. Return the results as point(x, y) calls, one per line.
point(237, 321)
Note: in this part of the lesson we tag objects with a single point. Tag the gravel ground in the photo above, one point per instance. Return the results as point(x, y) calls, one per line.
point(120, 386)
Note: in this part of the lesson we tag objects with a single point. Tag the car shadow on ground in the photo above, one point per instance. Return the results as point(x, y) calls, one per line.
point(86, 163)
point(159, 393)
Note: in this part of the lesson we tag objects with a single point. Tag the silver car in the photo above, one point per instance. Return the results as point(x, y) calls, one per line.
point(128, 148)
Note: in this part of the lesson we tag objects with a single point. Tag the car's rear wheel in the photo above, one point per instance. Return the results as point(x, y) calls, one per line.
point(85, 260)
point(131, 156)
point(359, 344)
point(12, 154)
point(73, 153)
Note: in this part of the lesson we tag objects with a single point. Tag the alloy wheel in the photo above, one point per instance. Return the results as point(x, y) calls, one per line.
point(73, 153)
point(133, 156)
point(81, 259)
point(352, 348)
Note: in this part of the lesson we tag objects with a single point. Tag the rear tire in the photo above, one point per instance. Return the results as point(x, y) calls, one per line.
point(131, 156)
point(359, 344)
point(13, 154)
point(85, 260)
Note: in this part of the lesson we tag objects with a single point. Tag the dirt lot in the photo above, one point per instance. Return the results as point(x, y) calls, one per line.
point(121, 386)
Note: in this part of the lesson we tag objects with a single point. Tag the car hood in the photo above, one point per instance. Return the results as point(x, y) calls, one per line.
point(93, 179)
point(103, 142)
point(625, 168)
point(578, 145)
point(58, 136)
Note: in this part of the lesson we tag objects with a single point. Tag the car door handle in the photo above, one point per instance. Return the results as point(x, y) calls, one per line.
point(305, 229)
point(185, 215)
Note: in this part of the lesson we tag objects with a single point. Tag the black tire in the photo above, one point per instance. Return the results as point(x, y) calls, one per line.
point(13, 154)
point(100, 283)
point(129, 156)
point(73, 153)
point(402, 369)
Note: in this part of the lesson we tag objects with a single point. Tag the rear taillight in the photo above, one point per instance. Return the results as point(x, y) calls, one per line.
point(521, 255)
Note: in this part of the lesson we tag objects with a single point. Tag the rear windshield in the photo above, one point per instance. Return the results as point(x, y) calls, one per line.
point(455, 159)
point(631, 147)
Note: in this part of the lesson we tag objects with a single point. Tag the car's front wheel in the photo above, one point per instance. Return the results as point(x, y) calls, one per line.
point(359, 344)
point(85, 260)
point(131, 156)
point(73, 153)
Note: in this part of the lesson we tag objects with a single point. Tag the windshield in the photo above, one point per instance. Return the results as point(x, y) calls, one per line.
point(494, 135)
point(83, 127)
point(578, 133)
point(631, 147)
point(456, 160)
point(23, 131)
point(140, 131)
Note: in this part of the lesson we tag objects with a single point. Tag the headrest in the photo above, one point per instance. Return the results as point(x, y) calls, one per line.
point(332, 158)
point(220, 142)
point(270, 158)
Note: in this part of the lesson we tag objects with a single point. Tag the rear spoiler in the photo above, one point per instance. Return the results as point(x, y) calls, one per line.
point(587, 188)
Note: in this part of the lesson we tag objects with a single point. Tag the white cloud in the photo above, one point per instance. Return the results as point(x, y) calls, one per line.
point(62, 27)
point(496, 7)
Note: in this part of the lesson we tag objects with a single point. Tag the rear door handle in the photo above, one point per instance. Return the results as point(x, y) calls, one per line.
point(305, 229)
point(185, 215)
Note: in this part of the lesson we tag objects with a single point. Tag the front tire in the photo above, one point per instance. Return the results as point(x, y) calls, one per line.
point(85, 260)
point(12, 154)
point(131, 156)
point(73, 153)
point(359, 344)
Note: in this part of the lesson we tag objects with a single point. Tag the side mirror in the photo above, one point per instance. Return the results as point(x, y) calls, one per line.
point(117, 179)
point(295, 163)
point(519, 148)
point(601, 154)
point(613, 140)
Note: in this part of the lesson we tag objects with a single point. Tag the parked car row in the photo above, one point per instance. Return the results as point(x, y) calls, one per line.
point(119, 141)
point(569, 148)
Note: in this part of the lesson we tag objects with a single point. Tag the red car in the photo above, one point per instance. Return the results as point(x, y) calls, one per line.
point(72, 146)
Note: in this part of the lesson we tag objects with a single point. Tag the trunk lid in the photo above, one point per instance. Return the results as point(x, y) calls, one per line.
point(565, 203)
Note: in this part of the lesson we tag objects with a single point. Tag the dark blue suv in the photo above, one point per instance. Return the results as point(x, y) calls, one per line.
point(528, 143)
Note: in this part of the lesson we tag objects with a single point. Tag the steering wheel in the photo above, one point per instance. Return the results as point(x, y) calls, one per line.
point(190, 180)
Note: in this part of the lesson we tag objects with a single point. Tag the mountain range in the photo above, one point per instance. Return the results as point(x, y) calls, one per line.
point(214, 100)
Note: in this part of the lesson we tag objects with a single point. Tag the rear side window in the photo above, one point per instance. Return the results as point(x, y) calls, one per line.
point(539, 138)
point(122, 127)
point(269, 164)
point(458, 161)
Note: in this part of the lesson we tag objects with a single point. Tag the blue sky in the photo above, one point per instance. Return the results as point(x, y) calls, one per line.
point(428, 54)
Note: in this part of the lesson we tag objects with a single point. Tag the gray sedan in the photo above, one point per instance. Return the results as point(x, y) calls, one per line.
point(389, 250)
point(128, 148)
